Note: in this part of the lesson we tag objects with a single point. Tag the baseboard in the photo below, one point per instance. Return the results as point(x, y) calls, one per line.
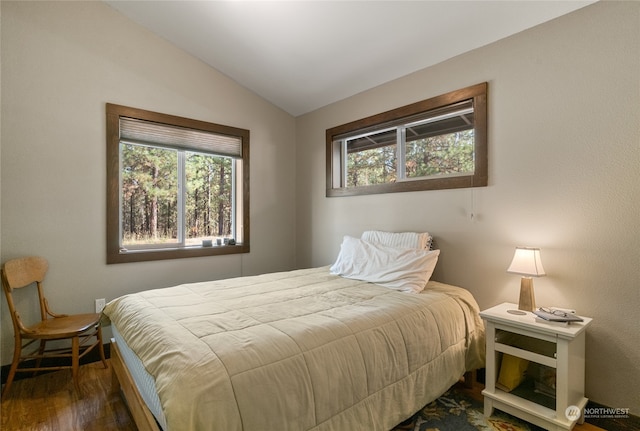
point(92, 356)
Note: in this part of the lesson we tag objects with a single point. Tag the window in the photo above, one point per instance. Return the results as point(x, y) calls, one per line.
point(438, 143)
point(175, 187)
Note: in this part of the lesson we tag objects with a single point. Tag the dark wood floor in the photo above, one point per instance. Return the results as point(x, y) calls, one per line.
point(49, 402)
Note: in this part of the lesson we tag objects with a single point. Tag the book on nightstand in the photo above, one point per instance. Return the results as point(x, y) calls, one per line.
point(551, 322)
point(556, 316)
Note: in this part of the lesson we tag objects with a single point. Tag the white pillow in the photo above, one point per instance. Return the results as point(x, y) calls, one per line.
point(404, 269)
point(399, 239)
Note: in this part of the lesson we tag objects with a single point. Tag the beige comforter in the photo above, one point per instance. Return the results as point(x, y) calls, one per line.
point(300, 350)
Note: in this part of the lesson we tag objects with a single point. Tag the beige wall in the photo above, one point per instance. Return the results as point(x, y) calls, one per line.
point(564, 155)
point(61, 62)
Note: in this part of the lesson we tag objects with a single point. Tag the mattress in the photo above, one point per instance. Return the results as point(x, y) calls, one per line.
point(301, 350)
point(145, 383)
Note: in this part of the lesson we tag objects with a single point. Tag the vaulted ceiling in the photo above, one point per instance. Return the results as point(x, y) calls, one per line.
point(302, 55)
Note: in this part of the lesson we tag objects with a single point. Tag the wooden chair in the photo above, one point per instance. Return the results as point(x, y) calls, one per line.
point(79, 328)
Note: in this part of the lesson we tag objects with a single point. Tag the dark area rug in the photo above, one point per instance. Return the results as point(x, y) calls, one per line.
point(458, 411)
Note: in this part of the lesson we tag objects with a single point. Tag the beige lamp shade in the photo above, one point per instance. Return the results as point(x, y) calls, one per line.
point(526, 261)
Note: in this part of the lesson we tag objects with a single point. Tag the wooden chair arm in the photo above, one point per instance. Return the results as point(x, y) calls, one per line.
point(23, 329)
point(51, 313)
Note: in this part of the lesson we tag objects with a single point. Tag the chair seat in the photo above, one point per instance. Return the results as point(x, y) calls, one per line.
point(63, 327)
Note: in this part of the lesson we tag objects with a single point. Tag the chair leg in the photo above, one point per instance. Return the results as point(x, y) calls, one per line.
point(12, 371)
point(41, 349)
point(75, 361)
point(101, 347)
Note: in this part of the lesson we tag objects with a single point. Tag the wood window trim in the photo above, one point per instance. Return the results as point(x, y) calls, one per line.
point(113, 114)
point(479, 178)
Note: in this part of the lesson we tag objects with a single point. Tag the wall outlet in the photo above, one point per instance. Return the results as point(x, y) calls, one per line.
point(100, 303)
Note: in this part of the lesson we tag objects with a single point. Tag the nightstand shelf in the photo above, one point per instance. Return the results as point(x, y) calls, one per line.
point(554, 346)
point(539, 350)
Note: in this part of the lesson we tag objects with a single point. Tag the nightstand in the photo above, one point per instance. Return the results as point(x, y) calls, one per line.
point(558, 349)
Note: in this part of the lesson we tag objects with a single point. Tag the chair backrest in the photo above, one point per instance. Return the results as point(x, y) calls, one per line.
point(22, 272)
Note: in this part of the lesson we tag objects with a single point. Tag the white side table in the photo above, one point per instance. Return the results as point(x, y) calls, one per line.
point(552, 345)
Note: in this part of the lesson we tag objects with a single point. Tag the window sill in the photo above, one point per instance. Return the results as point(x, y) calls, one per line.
point(118, 256)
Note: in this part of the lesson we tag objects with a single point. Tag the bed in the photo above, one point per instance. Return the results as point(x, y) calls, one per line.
point(307, 349)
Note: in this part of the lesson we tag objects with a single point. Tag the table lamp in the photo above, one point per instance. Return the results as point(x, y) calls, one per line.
point(527, 262)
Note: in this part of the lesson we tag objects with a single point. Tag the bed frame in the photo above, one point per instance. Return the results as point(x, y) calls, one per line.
point(122, 382)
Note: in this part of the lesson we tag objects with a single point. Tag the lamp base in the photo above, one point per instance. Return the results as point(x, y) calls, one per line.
point(527, 297)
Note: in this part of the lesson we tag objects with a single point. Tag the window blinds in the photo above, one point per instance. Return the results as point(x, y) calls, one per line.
point(144, 132)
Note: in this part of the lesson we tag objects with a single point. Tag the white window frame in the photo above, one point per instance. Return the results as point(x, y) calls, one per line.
point(181, 241)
